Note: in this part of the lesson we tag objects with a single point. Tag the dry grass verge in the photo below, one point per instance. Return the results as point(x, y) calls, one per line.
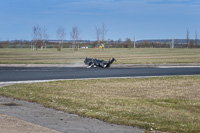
point(123, 56)
point(165, 104)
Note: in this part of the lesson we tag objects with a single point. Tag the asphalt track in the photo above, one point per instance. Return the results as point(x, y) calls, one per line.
point(8, 74)
point(64, 122)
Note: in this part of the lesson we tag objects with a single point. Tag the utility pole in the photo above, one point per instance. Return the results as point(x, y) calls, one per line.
point(172, 45)
point(188, 39)
point(134, 41)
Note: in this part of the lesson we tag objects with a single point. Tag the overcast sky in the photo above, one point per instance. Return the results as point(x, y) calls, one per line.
point(144, 19)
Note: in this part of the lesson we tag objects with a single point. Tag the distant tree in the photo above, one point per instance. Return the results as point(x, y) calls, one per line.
point(104, 31)
point(98, 33)
point(94, 44)
point(37, 37)
point(188, 38)
point(6, 43)
point(145, 44)
point(61, 34)
point(75, 35)
point(129, 43)
point(119, 41)
point(152, 45)
point(45, 36)
point(110, 43)
point(113, 44)
point(191, 44)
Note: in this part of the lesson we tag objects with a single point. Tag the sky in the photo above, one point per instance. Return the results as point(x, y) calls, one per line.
point(144, 19)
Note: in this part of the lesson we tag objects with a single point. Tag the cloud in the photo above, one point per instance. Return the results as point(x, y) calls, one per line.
point(183, 2)
point(93, 7)
point(46, 12)
point(116, 0)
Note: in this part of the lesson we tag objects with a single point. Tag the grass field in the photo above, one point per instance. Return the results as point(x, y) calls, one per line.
point(169, 104)
point(123, 56)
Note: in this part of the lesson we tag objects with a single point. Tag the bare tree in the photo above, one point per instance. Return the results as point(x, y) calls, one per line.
point(61, 34)
point(75, 35)
point(98, 33)
point(119, 41)
point(191, 43)
point(128, 43)
point(37, 37)
point(45, 36)
point(104, 31)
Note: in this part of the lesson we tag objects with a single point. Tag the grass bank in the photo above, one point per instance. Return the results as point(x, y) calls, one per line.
point(165, 104)
point(123, 56)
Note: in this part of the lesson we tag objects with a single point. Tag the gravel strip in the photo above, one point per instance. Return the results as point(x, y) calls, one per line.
point(10, 124)
point(57, 120)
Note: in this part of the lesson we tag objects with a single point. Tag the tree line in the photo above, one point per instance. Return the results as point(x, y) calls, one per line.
point(40, 36)
point(128, 43)
point(40, 40)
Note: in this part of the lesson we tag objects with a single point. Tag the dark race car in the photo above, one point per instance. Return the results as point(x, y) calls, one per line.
point(98, 63)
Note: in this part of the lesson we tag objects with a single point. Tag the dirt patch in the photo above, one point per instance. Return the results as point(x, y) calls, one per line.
point(10, 124)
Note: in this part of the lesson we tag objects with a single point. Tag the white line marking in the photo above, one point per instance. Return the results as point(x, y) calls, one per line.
point(176, 66)
point(41, 81)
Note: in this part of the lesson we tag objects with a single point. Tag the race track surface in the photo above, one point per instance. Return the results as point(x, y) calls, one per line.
point(50, 73)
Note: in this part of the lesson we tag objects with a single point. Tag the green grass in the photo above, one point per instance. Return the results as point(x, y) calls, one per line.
point(123, 56)
point(169, 104)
